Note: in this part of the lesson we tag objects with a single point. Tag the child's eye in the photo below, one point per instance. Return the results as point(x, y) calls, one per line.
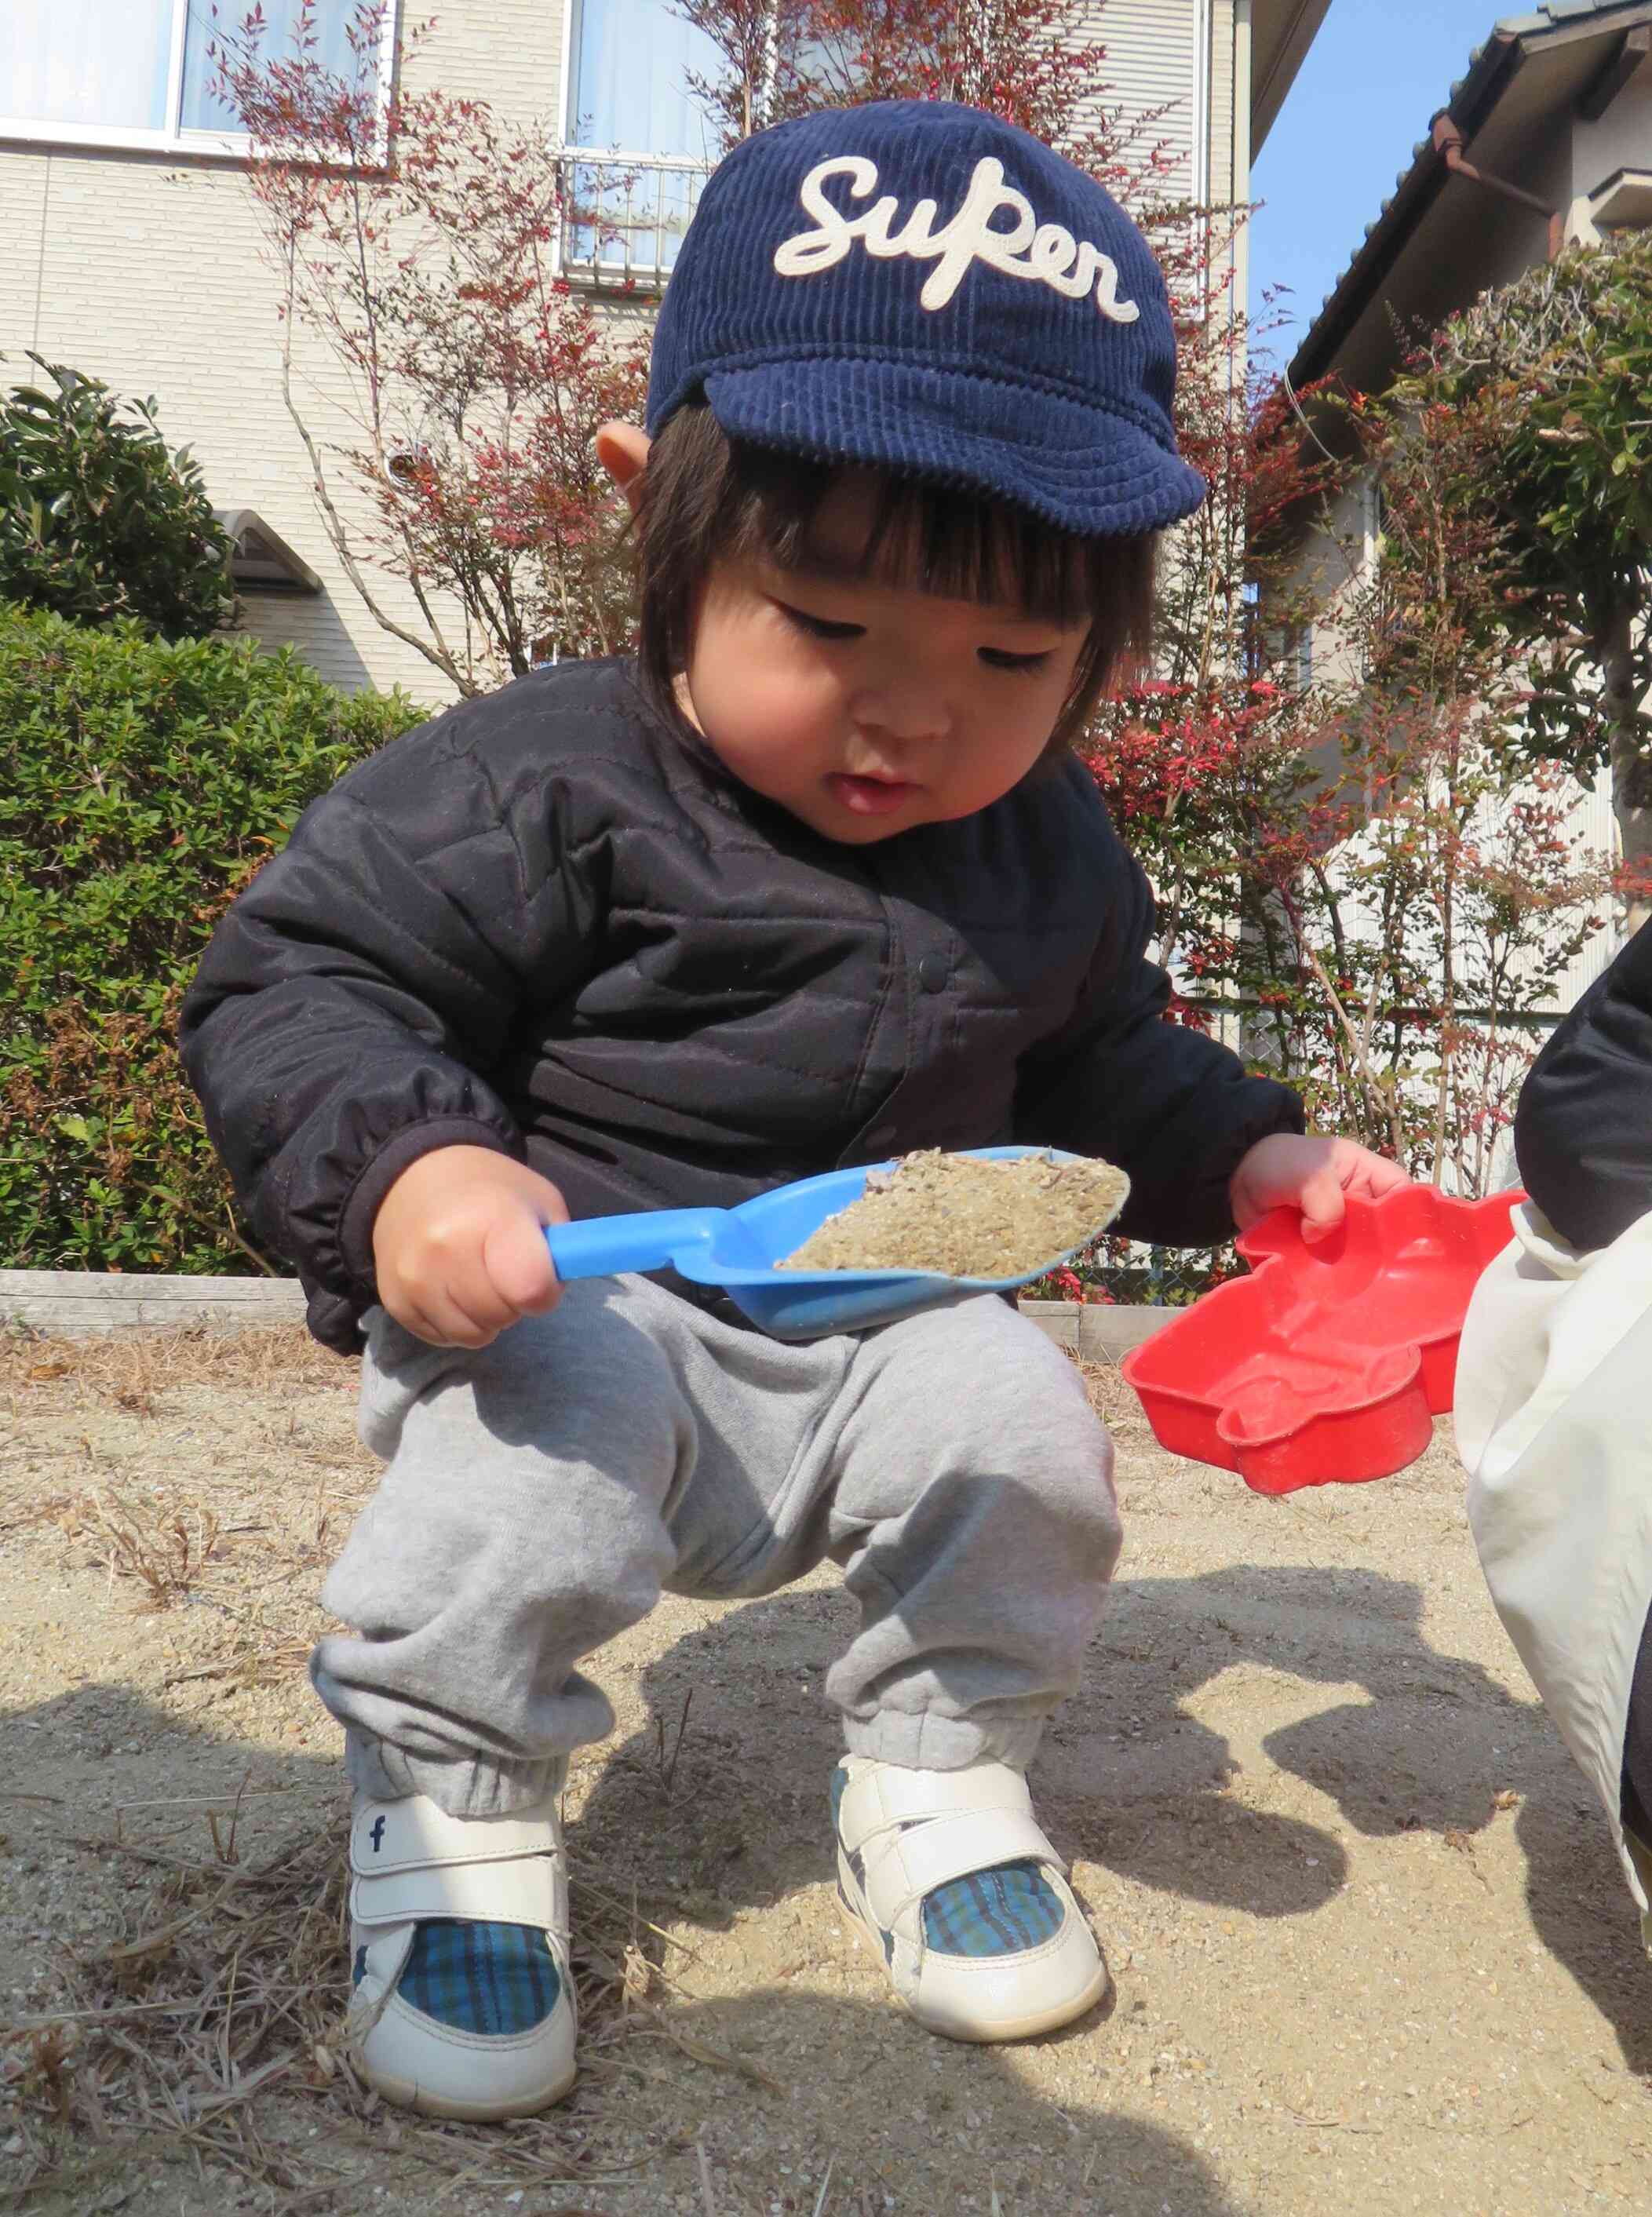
point(997, 658)
point(819, 626)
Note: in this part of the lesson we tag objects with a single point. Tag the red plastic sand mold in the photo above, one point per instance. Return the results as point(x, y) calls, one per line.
point(1326, 1365)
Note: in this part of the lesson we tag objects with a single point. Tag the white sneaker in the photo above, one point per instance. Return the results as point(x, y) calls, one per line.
point(463, 2003)
point(947, 1875)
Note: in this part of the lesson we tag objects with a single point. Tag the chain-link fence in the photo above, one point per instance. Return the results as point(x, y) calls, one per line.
point(1137, 1275)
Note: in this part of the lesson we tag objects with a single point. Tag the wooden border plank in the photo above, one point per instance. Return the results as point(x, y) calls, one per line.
point(1100, 1331)
point(95, 1301)
point(77, 1302)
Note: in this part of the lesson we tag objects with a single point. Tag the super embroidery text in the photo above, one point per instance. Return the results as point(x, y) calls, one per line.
point(1045, 253)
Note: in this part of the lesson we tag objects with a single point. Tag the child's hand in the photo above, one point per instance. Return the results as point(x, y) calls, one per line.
point(459, 1245)
point(1310, 1174)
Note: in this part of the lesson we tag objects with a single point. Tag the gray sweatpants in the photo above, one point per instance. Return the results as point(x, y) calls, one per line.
point(541, 1492)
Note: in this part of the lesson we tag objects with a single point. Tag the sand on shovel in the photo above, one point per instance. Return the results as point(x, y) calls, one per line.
point(967, 1218)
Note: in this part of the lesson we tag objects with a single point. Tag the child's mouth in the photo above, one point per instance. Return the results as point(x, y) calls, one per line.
point(869, 796)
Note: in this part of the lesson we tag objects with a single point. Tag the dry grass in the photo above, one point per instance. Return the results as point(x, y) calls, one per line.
point(230, 1993)
point(208, 2031)
point(1110, 1397)
point(164, 1549)
point(132, 1369)
point(167, 1554)
point(195, 2033)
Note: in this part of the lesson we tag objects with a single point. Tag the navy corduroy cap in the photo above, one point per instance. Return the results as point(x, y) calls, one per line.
point(925, 287)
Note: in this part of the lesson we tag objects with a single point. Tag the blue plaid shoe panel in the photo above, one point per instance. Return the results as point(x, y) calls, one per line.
point(490, 1979)
point(1001, 1912)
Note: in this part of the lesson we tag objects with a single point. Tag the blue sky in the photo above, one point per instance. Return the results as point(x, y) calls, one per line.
point(1375, 75)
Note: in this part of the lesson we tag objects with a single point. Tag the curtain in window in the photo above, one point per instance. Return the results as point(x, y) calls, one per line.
point(85, 61)
point(632, 59)
point(331, 20)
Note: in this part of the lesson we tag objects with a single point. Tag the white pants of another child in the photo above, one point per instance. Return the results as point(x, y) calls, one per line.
point(1554, 1424)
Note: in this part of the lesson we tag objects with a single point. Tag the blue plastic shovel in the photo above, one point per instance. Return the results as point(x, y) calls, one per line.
point(738, 1248)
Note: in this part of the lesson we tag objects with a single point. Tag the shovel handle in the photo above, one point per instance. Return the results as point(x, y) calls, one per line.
point(598, 1246)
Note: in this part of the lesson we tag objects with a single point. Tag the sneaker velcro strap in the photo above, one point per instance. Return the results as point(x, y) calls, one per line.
point(883, 1797)
point(415, 1834)
point(908, 1865)
point(527, 1891)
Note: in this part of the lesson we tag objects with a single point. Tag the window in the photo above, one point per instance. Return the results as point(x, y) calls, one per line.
point(639, 147)
point(136, 72)
point(630, 64)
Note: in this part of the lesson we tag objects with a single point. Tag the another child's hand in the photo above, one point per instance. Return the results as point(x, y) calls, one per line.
point(1312, 1174)
point(459, 1245)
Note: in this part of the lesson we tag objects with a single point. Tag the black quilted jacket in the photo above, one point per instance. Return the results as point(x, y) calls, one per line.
point(545, 922)
point(1583, 1129)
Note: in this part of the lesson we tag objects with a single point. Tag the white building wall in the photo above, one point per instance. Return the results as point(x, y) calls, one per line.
point(1595, 824)
point(1620, 139)
point(1156, 62)
point(1226, 186)
point(145, 269)
point(1335, 568)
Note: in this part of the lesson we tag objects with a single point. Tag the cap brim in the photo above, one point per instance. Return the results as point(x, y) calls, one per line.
point(1085, 469)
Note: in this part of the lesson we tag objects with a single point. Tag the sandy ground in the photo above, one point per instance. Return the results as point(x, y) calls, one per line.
point(1370, 1951)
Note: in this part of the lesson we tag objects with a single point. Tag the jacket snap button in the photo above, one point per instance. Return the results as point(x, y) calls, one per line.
point(933, 972)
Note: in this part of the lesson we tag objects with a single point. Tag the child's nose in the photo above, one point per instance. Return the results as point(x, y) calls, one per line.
point(907, 708)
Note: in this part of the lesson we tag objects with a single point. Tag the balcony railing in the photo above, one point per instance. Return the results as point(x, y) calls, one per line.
point(624, 214)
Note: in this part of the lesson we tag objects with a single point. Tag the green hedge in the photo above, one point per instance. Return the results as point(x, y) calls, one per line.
point(144, 784)
point(99, 519)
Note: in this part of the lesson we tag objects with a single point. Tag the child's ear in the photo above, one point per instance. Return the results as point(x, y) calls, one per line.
point(623, 450)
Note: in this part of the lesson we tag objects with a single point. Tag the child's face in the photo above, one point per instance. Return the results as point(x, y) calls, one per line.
point(867, 708)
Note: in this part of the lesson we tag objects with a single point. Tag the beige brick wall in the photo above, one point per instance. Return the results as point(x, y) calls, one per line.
point(147, 270)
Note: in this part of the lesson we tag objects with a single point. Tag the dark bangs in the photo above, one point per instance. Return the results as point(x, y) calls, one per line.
point(709, 498)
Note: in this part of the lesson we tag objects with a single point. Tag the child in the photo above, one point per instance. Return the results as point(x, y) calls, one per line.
point(812, 884)
point(1552, 1398)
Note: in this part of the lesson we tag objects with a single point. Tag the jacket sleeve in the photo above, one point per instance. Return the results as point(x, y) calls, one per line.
point(352, 1003)
point(1174, 1109)
point(1583, 1126)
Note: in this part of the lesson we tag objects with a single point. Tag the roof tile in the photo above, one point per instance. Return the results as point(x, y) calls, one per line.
point(1551, 13)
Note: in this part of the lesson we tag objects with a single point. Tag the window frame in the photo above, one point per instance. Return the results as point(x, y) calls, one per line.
point(593, 273)
point(172, 138)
